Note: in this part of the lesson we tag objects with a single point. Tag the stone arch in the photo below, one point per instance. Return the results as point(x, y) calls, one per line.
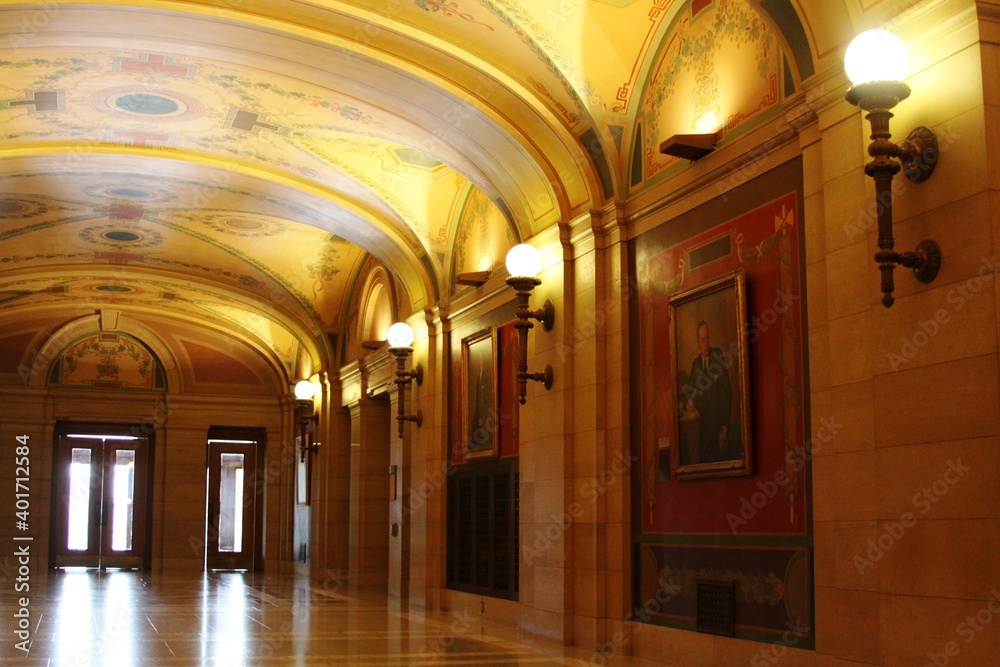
point(41, 362)
point(377, 310)
point(789, 27)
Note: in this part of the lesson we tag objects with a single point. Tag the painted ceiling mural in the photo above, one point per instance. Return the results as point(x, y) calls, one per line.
point(233, 164)
point(723, 63)
point(108, 359)
point(482, 237)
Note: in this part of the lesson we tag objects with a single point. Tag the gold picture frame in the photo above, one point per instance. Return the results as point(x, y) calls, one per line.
point(480, 425)
point(708, 327)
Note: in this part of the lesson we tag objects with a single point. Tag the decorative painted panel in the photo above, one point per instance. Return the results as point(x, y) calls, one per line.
point(108, 360)
point(719, 69)
point(754, 528)
point(483, 237)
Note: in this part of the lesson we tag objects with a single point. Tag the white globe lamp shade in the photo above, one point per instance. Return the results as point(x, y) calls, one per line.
point(400, 335)
point(876, 55)
point(304, 390)
point(524, 261)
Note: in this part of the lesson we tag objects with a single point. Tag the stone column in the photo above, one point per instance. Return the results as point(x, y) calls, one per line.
point(369, 500)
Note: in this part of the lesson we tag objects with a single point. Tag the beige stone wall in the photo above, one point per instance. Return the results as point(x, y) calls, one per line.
point(179, 425)
point(903, 411)
point(903, 400)
point(904, 505)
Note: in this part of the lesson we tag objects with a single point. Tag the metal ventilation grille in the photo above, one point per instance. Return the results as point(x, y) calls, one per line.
point(501, 532)
point(482, 549)
point(463, 538)
point(716, 602)
point(516, 521)
point(483, 535)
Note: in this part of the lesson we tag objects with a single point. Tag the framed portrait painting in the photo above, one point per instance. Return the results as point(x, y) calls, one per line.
point(708, 327)
point(479, 398)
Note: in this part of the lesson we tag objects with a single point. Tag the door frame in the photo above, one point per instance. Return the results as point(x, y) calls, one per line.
point(145, 519)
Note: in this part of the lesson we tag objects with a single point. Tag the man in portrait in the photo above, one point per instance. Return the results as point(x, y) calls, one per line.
point(708, 396)
point(481, 431)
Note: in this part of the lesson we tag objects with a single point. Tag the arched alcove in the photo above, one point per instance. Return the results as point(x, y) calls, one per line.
point(377, 311)
point(126, 330)
point(107, 360)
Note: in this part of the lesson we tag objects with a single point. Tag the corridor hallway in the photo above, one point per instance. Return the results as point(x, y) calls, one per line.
point(132, 619)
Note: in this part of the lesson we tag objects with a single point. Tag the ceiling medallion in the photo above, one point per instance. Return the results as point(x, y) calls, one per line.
point(123, 190)
point(11, 207)
point(147, 103)
point(243, 226)
point(114, 289)
point(130, 193)
point(121, 236)
point(20, 208)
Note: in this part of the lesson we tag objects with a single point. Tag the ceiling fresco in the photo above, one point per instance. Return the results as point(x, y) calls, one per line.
point(232, 166)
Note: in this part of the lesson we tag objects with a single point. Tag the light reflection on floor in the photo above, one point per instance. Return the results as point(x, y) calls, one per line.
point(122, 619)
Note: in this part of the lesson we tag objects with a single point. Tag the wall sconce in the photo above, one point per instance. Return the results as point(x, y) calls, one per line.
point(306, 418)
point(401, 346)
point(523, 264)
point(875, 62)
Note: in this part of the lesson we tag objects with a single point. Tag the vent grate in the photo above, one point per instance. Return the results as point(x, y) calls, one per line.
point(716, 606)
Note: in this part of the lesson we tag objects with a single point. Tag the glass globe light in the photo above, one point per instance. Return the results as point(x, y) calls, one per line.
point(875, 55)
point(524, 261)
point(400, 335)
point(304, 390)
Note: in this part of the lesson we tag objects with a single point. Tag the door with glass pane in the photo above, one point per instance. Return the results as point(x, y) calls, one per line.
point(100, 517)
point(232, 505)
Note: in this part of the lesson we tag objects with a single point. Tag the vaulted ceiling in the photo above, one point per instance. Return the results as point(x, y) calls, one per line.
point(225, 169)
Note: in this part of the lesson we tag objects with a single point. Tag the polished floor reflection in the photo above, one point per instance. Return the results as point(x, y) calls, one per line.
point(122, 619)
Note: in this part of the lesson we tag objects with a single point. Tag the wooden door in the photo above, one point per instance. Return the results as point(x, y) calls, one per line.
point(232, 539)
point(101, 491)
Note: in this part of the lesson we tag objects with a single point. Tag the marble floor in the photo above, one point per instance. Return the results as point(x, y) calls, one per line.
point(124, 619)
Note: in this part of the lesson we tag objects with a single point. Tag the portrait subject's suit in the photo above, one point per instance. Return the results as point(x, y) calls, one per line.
point(711, 391)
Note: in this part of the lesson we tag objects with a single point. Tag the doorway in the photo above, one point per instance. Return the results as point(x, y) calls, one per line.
point(234, 517)
point(101, 491)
